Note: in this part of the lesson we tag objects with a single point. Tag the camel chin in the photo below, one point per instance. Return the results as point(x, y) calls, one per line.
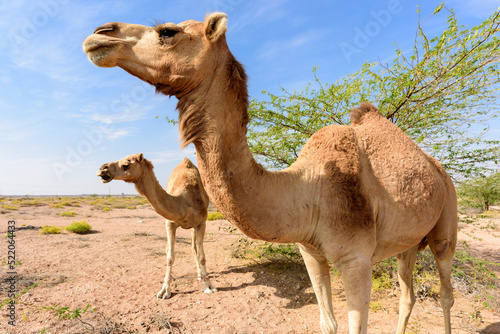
point(100, 51)
point(100, 58)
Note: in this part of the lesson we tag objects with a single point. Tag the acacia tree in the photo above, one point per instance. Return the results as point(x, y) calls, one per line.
point(480, 192)
point(443, 95)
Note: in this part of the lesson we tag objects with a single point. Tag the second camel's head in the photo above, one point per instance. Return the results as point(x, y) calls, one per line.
point(128, 169)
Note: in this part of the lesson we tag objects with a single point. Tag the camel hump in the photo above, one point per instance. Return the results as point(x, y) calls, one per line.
point(188, 163)
point(358, 113)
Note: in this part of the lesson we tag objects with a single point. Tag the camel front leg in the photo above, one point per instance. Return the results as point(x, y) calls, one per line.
point(406, 262)
point(198, 236)
point(357, 278)
point(165, 291)
point(319, 273)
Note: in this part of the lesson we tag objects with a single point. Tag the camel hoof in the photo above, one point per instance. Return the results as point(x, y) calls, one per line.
point(164, 294)
point(210, 290)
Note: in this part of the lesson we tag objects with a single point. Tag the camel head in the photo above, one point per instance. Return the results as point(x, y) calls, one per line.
point(128, 169)
point(175, 58)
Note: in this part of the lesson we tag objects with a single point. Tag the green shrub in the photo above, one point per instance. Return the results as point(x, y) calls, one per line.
point(257, 250)
point(79, 227)
point(32, 203)
point(56, 205)
point(94, 202)
point(10, 207)
point(215, 216)
point(49, 229)
point(70, 203)
point(68, 213)
point(132, 207)
point(106, 209)
point(384, 274)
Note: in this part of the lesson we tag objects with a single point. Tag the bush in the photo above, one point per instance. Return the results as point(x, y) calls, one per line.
point(10, 207)
point(49, 229)
point(253, 250)
point(32, 203)
point(68, 203)
point(215, 216)
point(68, 213)
point(79, 227)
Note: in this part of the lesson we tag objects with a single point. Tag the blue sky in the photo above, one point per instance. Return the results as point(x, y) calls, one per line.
point(62, 117)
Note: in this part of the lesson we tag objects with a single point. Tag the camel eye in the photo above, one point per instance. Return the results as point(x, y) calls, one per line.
point(125, 167)
point(168, 32)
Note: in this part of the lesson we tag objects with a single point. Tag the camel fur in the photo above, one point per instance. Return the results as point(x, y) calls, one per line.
point(356, 194)
point(184, 203)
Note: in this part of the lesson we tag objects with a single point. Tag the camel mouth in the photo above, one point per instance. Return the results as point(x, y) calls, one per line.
point(105, 177)
point(95, 42)
point(100, 50)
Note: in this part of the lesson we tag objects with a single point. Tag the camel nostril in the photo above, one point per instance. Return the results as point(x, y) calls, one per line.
point(105, 28)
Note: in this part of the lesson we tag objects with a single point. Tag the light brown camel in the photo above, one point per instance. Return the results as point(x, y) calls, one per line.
point(356, 194)
point(183, 204)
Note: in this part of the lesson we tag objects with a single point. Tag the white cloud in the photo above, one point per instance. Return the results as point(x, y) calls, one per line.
point(171, 156)
point(118, 133)
point(15, 136)
point(128, 115)
point(258, 12)
point(273, 48)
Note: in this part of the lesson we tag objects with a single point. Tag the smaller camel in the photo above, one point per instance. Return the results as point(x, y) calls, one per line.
point(184, 204)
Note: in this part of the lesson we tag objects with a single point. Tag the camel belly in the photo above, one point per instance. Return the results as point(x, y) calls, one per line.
point(399, 226)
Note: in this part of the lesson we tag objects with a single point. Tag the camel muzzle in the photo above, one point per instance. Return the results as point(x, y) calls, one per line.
point(104, 175)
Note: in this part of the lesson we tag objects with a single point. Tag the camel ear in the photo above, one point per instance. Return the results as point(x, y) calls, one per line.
point(215, 26)
point(140, 157)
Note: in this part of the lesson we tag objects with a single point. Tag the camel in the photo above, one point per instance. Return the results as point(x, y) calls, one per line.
point(356, 194)
point(184, 204)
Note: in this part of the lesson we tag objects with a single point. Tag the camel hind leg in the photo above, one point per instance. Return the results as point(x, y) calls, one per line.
point(406, 262)
point(442, 241)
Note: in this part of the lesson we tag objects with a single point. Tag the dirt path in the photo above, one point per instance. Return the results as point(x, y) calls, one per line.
point(119, 268)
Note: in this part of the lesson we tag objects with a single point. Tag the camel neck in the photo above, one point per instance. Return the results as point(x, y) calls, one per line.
point(214, 117)
point(168, 206)
point(237, 185)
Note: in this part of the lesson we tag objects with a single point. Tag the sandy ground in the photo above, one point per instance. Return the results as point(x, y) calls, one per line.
point(119, 268)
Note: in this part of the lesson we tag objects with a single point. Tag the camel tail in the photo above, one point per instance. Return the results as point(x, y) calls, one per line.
point(358, 113)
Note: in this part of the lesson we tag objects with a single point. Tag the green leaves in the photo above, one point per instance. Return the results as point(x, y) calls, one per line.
point(438, 8)
point(443, 95)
